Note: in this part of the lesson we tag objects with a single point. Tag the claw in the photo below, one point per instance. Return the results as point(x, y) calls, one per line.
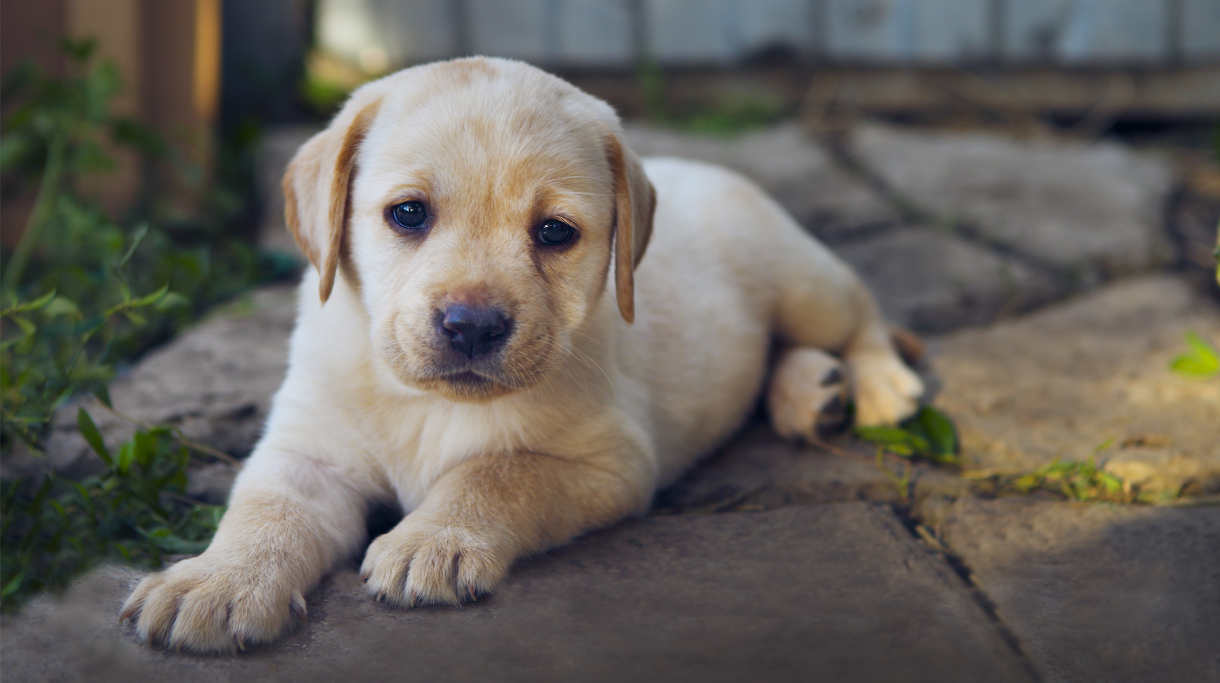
point(298, 607)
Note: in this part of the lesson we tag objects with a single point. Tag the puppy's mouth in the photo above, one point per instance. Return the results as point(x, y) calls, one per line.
point(466, 383)
point(470, 378)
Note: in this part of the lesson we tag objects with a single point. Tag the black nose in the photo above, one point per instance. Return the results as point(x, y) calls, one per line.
point(474, 331)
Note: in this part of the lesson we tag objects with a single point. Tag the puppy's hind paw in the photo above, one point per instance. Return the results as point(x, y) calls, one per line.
point(807, 395)
point(887, 392)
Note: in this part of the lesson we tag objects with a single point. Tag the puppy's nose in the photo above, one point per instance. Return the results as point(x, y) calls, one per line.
point(474, 331)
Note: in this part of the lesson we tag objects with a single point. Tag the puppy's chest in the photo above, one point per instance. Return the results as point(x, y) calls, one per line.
point(416, 441)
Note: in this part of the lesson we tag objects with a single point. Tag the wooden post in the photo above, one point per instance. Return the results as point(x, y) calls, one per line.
point(168, 54)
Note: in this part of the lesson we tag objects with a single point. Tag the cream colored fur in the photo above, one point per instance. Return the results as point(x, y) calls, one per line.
point(582, 415)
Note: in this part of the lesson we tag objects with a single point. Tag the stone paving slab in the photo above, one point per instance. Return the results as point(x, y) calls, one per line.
point(1091, 377)
point(1096, 592)
point(759, 470)
point(787, 163)
point(1089, 210)
point(934, 281)
point(830, 592)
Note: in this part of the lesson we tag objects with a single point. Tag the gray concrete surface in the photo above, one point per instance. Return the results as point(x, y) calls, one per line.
point(830, 592)
point(1091, 378)
point(1096, 592)
point(1085, 211)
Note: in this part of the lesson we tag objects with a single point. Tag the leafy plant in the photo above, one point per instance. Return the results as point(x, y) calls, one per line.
point(1071, 479)
point(135, 511)
point(81, 293)
point(51, 357)
point(928, 435)
point(1200, 360)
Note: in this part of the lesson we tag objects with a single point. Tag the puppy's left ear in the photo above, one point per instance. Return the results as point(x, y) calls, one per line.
point(317, 188)
point(635, 201)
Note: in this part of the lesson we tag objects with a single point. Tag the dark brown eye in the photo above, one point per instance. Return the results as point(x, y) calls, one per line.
point(409, 215)
point(554, 233)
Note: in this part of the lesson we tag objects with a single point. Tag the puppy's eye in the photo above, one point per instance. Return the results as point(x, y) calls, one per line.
point(409, 215)
point(555, 232)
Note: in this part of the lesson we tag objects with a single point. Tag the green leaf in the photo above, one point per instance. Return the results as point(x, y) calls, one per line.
point(175, 544)
point(144, 445)
point(61, 305)
point(27, 328)
point(171, 301)
point(80, 49)
point(13, 584)
point(39, 302)
point(137, 237)
point(31, 305)
point(89, 430)
point(127, 455)
point(938, 428)
point(103, 394)
point(149, 299)
point(895, 440)
point(135, 318)
point(1200, 359)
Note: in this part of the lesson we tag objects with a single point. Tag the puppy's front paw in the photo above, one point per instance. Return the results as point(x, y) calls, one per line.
point(807, 395)
point(203, 605)
point(886, 390)
point(420, 562)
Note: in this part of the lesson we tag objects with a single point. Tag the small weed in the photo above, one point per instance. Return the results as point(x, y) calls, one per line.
point(901, 482)
point(1200, 360)
point(1071, 479)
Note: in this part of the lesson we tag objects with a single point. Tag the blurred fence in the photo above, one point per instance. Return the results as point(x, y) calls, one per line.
point(383, 34)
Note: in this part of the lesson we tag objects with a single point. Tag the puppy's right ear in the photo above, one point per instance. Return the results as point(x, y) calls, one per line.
point(317, 189)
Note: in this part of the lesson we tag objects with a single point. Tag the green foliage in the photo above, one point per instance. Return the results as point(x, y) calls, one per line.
point(135, 511)
point(48, 354)
point(1071, 479)
point(81, 293)
point(322, 96)
point(1200, 360)
point(728, 116)
point(929, 435)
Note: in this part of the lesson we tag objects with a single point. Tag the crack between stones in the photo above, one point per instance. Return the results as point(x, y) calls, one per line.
point(959, 567)
point(921, 218)
point(909, 522)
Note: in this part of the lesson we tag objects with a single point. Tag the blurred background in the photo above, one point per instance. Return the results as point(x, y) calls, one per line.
point(214, 73)
point(973, 159)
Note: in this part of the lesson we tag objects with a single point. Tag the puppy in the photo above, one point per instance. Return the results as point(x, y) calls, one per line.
point(494, 337)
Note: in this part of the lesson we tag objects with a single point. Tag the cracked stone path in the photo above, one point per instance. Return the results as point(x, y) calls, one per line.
point(777, 561)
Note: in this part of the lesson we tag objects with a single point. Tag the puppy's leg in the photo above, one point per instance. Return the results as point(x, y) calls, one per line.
point(290, 518)
point(822, 304)
point(485, 513)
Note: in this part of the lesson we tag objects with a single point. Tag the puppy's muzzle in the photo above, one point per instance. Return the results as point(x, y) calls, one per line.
point(473, 331)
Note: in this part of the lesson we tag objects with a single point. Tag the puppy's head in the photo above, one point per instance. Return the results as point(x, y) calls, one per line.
point(476, 207)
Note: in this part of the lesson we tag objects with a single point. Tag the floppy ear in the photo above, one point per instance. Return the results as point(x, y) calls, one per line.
point(317, 186)
point(634, 203)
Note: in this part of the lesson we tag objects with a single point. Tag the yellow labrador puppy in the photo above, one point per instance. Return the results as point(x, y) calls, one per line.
point(516, 330)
